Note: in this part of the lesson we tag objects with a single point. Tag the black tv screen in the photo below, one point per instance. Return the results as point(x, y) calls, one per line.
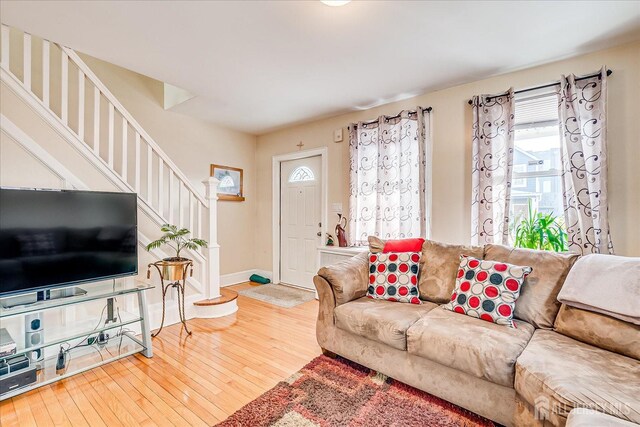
point(53, 238)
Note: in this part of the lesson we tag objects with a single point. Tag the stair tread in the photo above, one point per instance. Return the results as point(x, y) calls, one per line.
point(227, 295)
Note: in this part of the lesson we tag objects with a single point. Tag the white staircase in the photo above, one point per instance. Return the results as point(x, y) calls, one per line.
point(56, 83)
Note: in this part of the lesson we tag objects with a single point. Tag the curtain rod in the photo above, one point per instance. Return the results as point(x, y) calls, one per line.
point(370, 122)
point(609, 72)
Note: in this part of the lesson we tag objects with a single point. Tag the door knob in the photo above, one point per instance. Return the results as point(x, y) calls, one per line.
point(319, 233)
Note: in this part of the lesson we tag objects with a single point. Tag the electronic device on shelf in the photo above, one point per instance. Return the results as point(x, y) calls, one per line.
point(33, 336)
point(51, 239)
point(7, 344)
point(17, 363)
point(15, 380)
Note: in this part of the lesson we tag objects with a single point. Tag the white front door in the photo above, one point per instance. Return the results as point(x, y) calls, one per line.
point(300, 183)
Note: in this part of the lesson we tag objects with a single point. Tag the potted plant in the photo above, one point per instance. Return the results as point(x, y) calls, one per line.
point(173, 268)
point(541, 231)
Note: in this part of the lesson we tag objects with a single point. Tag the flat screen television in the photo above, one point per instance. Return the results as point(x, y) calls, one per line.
point(56, 238)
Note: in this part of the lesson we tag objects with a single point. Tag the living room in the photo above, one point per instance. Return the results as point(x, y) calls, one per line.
point(312, 205)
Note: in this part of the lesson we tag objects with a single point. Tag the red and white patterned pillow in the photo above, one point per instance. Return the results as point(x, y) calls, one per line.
point(487, 290)
point(393, 276)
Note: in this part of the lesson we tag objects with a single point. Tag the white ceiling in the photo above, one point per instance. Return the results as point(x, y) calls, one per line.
point(259, 65)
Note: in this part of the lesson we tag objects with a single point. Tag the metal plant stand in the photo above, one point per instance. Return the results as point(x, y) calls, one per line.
point(179, 284)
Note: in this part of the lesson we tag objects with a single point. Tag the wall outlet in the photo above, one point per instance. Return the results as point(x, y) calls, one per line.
point(336, 207)
point(337, 135)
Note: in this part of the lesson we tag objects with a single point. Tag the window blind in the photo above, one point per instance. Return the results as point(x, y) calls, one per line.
point(536, 111)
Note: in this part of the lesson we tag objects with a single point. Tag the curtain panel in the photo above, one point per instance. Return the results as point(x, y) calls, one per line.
point(492, 164)
point(388, 176)
point(582, 112)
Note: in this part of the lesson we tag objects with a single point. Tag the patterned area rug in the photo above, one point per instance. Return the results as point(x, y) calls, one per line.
point(339, 393)
point(280, 295)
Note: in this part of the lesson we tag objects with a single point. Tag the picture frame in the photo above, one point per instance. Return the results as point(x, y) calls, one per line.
point(231, 186)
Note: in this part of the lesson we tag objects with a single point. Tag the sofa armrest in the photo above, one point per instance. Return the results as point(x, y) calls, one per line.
point(349, 279)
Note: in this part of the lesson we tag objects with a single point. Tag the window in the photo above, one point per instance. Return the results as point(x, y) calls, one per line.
point(537, 167)
point(301, 174)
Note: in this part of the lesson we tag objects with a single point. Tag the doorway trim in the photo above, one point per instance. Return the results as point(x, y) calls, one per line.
point(323, 152)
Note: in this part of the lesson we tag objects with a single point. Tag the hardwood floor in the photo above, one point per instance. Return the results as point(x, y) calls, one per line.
point(197, 380)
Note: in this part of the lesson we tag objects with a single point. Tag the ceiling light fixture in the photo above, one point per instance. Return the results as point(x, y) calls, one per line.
point(335, 2)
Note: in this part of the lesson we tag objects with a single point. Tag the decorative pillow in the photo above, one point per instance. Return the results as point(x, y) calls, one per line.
point(487, 290)
point(404, 245)
point(394, 276)
point(376, 245)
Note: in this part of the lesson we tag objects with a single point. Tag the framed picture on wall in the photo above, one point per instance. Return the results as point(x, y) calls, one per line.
point(231, 182)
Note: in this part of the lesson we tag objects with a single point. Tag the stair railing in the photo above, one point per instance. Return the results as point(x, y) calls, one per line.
point(65, 85)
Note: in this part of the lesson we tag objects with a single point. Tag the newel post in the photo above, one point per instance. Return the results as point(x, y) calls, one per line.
point(213, 249)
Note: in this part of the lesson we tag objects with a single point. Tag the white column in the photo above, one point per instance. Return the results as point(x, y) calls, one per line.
point(213, 249)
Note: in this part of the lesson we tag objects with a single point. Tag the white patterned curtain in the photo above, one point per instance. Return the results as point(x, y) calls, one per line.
point(388, 168)
point(582, 112)
point(492, 163)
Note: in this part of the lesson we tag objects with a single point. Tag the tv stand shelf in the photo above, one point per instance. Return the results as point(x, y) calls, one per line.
point(85, 355)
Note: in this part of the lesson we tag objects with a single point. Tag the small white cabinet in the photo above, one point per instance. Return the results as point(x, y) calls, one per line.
point(328, 255)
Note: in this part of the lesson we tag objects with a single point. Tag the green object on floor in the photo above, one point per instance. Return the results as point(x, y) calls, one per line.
point(259, 279)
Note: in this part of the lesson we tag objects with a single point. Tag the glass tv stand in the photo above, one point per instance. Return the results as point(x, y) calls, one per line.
point(106, 323)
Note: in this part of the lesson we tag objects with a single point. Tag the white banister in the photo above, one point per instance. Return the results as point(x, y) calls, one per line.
point(81, 105)
point(180, 206)
point(161, 186)
point(213, 249)
point(190, 227)
point(199, 209)
point(125, 149)
point(132, 121)
point(138, 163)
point(4, 59)
point(26, 50)
point(171, 184)
point(149, 174)
point(64, 95)
point(111, 131)
point(96, 121)
point(45, 72)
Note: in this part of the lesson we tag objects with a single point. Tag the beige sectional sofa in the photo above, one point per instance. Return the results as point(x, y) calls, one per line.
point(557, 358)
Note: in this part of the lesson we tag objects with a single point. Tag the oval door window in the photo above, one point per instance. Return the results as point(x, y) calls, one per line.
point(301, 173)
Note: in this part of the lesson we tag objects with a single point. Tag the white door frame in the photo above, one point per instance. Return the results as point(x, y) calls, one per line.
point(275, 199)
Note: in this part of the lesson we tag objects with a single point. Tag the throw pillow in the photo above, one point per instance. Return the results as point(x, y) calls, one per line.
point(487, 290)
point(394, 276)
point(403, 245)
point(376, 245)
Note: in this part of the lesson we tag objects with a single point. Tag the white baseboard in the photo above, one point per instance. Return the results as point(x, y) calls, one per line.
point(242, 276)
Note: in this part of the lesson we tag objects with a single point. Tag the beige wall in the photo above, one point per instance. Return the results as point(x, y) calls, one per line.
point(451, 216)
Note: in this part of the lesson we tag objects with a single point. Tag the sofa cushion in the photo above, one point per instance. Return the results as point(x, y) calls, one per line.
point(581, 417)
point(557, 374)
point(479, 348)
point(349, 278)
point(383, 321)
point(599, 330)
point(394, 277)
point(538, 303)
point(487, 290)
point(376, 244)
point(438, 267)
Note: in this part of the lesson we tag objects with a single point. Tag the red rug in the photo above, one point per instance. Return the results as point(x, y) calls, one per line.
point(339, 393)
